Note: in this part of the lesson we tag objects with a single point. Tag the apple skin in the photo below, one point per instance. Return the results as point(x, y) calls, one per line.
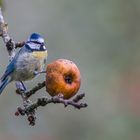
point(62, 77)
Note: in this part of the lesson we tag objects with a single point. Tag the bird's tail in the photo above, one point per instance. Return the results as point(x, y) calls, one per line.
point(3, 83)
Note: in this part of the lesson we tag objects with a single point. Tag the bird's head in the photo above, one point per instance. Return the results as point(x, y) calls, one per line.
point(36, 43)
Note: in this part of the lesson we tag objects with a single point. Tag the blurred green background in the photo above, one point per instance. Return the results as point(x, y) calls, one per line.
point(102, 38)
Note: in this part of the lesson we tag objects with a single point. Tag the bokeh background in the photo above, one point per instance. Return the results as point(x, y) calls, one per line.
point(103, 38)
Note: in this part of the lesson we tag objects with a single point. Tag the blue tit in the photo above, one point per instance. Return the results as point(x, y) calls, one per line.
point(27, 63)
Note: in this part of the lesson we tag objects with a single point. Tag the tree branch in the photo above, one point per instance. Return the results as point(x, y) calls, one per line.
point(9, 43)
point(45, 101)
point(35, 89)
point(29, 108)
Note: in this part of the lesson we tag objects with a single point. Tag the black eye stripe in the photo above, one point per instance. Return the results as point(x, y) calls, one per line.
point(37, 42)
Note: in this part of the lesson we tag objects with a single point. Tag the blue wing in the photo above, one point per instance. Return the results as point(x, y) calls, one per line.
point(4, 83)
point(6, 78)
point(11, 67)
point(9, 70)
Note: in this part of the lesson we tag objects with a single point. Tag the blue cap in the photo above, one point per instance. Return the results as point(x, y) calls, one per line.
point(36, 38)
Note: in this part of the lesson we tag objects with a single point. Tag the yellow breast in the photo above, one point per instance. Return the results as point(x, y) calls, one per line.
point(40, 54)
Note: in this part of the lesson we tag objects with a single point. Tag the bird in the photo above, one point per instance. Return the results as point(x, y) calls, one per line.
point(29, 61)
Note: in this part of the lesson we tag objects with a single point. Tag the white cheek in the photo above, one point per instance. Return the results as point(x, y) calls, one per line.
point(34, 46)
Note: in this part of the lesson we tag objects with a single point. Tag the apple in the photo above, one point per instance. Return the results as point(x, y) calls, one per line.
point(62, 77)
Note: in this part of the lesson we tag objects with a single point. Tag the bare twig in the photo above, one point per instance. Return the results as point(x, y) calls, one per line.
point(57, 99)
point(32, 91)
point(35, 89)
point(19, 44)
point(78, 97)
point(44, 101)
point(9, 43)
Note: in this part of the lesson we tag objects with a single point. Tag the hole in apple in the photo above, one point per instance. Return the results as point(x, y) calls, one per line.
point(68, 79)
